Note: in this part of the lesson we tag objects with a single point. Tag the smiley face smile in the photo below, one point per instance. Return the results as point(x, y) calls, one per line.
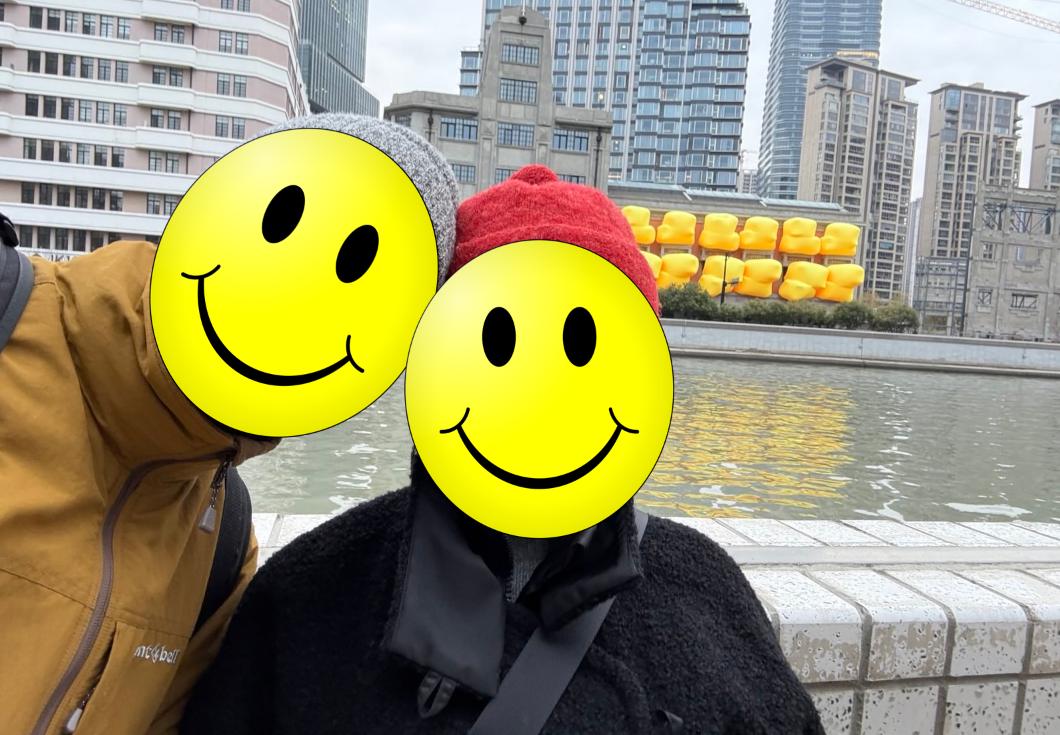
point(249, 371)
point(538, 483)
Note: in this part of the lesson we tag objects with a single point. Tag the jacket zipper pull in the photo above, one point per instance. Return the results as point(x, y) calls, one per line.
point(208, 521)
point(75, 716)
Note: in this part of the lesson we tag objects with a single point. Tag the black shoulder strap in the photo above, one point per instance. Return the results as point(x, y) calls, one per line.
point(232, 542)
point(540, 674)
point(16, 281)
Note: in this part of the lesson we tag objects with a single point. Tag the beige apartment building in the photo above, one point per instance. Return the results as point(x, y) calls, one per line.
point(110, 110)
point(1014, 269)
point(513, 120)
point(858, 140)
point(1045, 153)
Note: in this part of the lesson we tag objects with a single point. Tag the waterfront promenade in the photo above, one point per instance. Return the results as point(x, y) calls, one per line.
point(862, 348)
point(931, 627)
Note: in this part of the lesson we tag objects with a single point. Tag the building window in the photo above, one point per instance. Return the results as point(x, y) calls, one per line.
point(169, 203)
point(158, 118)
point(404, 119)
point(176, 77)
point(31, 105)
point(566, 139)
point(239, 86)
point(47, 150)
point(124, 28)
point(81, 197)
point(572, 178)
point(516, 135)
point(83, 151)
point(99, 199)
point(1025, 301)
point(154, 204)
point(458, 128)
point(226, 4)
point(173, 163)
point(512, 53)
point(121, 71)
point(121, 115)
point(100, 159)
point(176, 34)
point(220, 126)
point(44, 194)
point(88, 25)
point(173, 120)
point(242, 44)
point(50, 107)
point(243, 6)
point(224, 83)
point(161, 32)
point(33, 62)
point(106, 25)
point(96, 240)
point(158, 75)
point(464, 172)
point(154, 161)
point(103, 70)
point(65, 152)
point(84, 110)
point(62, 237)
point(28, 190)
point(224, 42)
point(36, 18)
point(51, 63)
point(87, 63)
point(69, 65)
point(117, 157)
point(239, 128)
point(502, 174)
point(29, 148)
point(984, 297)
point(102, 113)
point(519, 90)
point(117, 201)
point(62, 196)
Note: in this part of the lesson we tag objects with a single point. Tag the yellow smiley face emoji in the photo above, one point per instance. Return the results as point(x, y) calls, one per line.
point(289, 280)
point(539, 389)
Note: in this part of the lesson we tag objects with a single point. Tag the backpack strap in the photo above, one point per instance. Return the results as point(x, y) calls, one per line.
point(540, 674)
point(233, 540)
point(16, 281)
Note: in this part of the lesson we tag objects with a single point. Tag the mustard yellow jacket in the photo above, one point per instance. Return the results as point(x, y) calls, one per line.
point(105, 471)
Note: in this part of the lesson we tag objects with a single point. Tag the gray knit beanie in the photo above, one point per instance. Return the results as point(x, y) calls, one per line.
point(430, 173)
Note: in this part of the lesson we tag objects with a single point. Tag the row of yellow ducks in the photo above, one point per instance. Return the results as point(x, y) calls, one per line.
point(759, 234)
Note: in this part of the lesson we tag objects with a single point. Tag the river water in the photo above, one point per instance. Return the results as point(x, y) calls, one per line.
point(769, 440)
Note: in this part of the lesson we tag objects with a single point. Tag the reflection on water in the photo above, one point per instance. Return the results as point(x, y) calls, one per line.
point(767, 440)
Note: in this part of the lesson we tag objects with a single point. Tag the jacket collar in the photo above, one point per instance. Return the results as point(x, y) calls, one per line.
point(448, 611)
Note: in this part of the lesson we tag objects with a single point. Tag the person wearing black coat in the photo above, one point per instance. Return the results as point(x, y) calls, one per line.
point(393, 618)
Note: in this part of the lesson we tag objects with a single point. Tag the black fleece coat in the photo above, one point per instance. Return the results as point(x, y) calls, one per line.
point(342, 631)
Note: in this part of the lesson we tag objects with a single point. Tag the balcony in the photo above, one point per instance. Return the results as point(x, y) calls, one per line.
point(85, 219)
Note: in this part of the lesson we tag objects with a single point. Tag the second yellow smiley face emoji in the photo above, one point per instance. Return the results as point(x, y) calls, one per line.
point(289, 281)
point(539, 389)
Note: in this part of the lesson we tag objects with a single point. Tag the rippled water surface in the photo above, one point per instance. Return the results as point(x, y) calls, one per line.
point(766, 440)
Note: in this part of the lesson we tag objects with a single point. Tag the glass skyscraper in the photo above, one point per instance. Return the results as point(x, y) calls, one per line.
point(331, 52)
point(673, 73)
point(806, 32)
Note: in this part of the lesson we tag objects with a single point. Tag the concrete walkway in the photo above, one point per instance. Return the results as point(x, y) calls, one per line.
point(929, 627)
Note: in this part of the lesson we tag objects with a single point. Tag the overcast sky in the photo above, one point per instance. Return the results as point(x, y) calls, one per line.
point(415, 44)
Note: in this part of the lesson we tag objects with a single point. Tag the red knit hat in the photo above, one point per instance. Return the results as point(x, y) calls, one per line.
point(535, 205)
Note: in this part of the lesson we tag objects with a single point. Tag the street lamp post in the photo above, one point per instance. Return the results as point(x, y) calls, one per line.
point(724, 277)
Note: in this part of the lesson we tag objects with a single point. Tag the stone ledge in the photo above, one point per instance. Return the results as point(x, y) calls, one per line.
point(930, 627)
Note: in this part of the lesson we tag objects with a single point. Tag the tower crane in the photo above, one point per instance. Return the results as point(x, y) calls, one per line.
point(1020, 16)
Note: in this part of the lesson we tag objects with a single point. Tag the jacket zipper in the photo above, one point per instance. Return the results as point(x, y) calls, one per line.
point(102, 602)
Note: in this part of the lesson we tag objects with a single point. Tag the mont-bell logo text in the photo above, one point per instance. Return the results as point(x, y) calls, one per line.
point(157, 654)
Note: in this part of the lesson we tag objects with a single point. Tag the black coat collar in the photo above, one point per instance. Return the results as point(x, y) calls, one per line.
point(448, 611)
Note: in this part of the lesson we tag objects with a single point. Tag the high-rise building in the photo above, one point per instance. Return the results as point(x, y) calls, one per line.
point(859, 134)
point(912, 228)
point(331, 51)
point(672, 72)
point(804, 33)
point(973, 139)
point(1045, 154)
point(747, 181)
point(513, 120)
point(106, 119)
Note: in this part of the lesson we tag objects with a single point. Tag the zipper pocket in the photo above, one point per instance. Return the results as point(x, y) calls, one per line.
point(75, 717)
point(208, 520)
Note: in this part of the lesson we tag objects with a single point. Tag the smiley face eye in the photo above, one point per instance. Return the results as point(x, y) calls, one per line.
point(283, 214)
point(357, 254)
point(579, 336)
point(498, 336)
